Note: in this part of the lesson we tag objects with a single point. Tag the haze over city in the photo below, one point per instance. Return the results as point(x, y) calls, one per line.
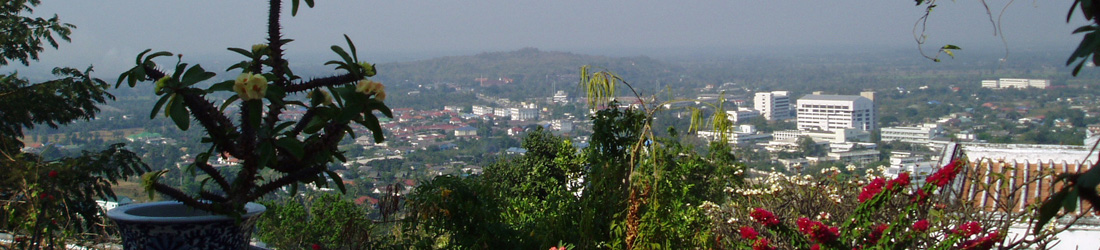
point(568, 125)
point(109, 34)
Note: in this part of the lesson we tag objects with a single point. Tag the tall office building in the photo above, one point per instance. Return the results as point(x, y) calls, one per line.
point(775, 105)
point(832, 112)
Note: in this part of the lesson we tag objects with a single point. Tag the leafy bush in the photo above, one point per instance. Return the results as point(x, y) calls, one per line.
point(326, 221)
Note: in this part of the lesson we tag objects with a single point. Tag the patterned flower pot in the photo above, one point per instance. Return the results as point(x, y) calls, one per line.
point(173, 225)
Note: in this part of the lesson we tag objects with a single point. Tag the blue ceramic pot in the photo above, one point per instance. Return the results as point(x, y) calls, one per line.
point(173, 225)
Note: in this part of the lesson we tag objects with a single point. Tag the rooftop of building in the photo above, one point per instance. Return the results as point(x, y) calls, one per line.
point(833, 97)
point(1033, 153)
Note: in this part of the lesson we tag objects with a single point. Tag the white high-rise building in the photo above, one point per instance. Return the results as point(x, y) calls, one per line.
point(833, 112)
point(741, 114)
point(1017, 83)
point(481, 110)
point(561, 97)
point(920, 134)
point(524, 114)
point(775, 105)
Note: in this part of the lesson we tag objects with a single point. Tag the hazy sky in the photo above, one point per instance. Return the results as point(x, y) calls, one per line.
point(111, 33)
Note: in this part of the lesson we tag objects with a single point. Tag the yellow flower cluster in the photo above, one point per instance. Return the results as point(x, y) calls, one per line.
point(327, 96)
point(258, 47)
point(369, 87)
point(250, 86)
point(160, 84)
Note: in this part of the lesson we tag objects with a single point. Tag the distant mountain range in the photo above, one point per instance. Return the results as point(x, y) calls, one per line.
point(523, 67)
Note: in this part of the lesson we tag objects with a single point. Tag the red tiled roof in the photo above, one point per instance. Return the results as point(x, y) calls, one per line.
point(364, 199)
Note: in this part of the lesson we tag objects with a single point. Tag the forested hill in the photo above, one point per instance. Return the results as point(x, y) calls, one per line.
point(528, 66)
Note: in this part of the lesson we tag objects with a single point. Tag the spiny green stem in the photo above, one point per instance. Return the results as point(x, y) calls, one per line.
point(306, 119)
point(322, 82)
point(275, 43)
point(284, 181)
point(178, 195)
point(212, 197)
point(214, 174)
point(247, 143)
point(217, 125)
point(278, 64)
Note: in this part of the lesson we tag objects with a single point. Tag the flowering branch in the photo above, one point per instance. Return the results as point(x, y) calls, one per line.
point(261, 139)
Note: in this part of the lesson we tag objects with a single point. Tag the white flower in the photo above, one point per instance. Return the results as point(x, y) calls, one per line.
point(707, 205)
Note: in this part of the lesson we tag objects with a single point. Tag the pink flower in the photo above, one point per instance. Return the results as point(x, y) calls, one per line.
point(968, 229)
point(817, 231)
point(921, 225)
point(557, 248)
point(945, 175)
point(749, 233)
point(765, 217)
point(983, 243)
point(871, 189)
point(919, 197)
point(761, 244)
point(900, 182)
point(876, 233)
point(315, 247)
point(815, 247)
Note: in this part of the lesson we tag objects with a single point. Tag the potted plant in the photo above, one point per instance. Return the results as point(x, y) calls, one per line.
point(287, 150)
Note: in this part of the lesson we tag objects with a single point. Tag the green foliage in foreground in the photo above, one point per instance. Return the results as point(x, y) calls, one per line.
point(46, 203)
point(557, 194)
point(328, 221)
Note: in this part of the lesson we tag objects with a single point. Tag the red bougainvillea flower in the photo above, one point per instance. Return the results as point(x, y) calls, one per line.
point(52, 174)
point(748, 233)
point(876, 233)
point(968, 229)
point(900, 182)
point(815, 247)
point(945, 174)
point(817, 231)
point(919, 197)
point(921, 225)
point(761, 244)
point(765, 217)
point(315, 247)
point(983, 243)
point(871, 189)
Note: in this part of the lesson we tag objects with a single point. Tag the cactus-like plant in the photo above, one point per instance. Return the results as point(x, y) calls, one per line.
point(299, 150)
